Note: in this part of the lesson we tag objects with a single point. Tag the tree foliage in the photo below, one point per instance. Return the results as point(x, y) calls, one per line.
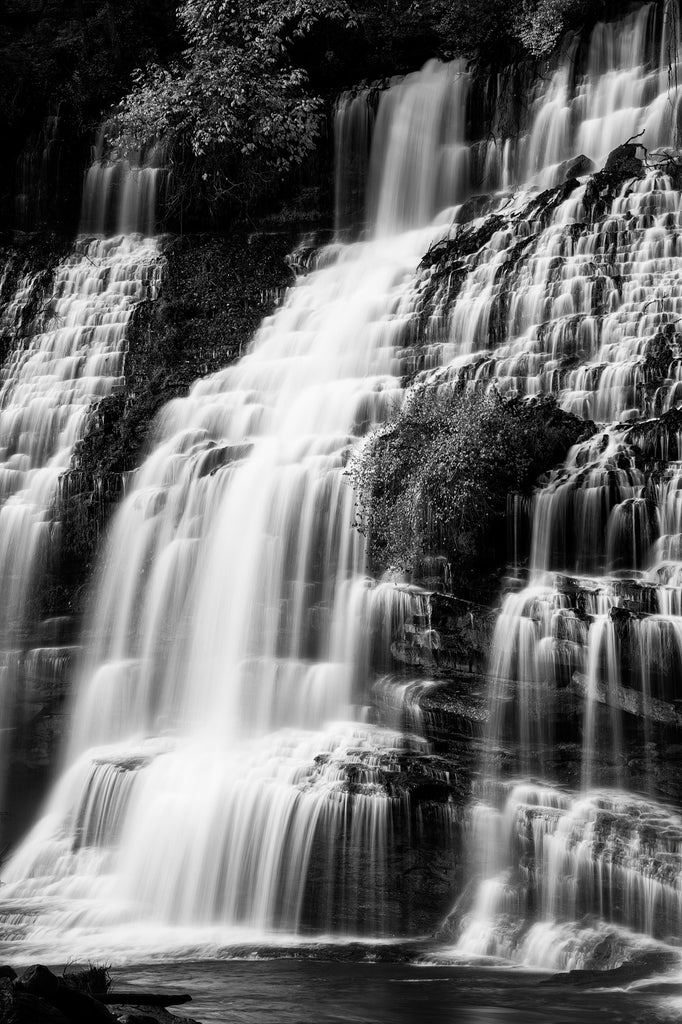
point(539, 24)
point(235, 101)
point(495, 32)
point(435, 479)
point(240, 106)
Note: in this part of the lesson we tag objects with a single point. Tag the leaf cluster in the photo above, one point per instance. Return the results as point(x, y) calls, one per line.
point(234, 104)
point(539, 24)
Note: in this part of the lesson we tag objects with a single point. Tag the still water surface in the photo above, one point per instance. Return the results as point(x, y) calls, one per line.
point(304, 991)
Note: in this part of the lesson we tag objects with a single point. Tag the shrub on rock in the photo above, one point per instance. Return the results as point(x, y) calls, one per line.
point(435, 479)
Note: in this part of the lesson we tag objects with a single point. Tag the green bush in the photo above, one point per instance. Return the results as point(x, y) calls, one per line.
point(435, 479)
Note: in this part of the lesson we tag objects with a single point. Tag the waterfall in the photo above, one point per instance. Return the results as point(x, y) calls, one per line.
point(221, 731)
point(604, 859)
point(66, 352)
point(120, 194)
point(224, 768)
point(228, 771)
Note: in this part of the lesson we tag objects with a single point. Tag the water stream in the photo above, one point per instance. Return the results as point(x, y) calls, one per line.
point(66, 352)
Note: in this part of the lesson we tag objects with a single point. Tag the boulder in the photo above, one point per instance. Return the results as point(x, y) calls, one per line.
point(30, 1009)
point(78, 1007)
point(623, 162)
point(576, 168)
point(476, 206)
point(39, 981)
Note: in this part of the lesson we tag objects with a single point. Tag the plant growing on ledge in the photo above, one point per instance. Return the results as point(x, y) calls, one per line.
point(435, 479)
point(235, 112)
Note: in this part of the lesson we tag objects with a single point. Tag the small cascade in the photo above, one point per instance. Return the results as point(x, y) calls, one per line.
point(354, 122)
point(409, 184)
point(423, 145)
point(574, 881)
point(121, 195)
point(581, 302)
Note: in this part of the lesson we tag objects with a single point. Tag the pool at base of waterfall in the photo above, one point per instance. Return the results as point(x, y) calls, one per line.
point(390, 985)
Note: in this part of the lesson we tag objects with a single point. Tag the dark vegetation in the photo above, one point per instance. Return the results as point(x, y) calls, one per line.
point(435, 480)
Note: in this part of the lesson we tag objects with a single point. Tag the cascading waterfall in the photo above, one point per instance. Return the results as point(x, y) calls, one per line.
point(585, 313)
point(120, 195)
point(64, 358)
point(224, 767)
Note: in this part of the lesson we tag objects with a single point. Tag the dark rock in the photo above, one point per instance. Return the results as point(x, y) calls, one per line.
point(632, 702)
point(39, 981)
point(81, 1007)
point(623, 162)
point(544, 205)
point(8, 972)
point(77, 1006)
point(30, 1009)
point(576, 168)
point(474, 207)
point(640, 967)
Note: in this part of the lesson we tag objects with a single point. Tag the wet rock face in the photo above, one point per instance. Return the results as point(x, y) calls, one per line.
point(577, 682)
point(612, 508)
point(31, 258)
point(453, 706)
point(576, 168)
point(623, 162)
point(455, 637)
point(388, 853)
point(422, 872)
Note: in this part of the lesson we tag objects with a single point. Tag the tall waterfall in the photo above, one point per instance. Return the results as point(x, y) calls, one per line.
point(66, 353)
point(226, 770)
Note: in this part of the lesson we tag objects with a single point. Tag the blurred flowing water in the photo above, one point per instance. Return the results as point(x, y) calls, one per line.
point(225, 774)
point(66, 346)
